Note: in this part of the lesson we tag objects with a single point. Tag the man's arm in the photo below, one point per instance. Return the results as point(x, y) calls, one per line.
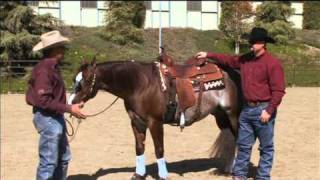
point(44, 94)
point(45, 98)
point(277, 86)
point(227, 60)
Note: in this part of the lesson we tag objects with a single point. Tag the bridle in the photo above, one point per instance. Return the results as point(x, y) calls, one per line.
point(93, 80)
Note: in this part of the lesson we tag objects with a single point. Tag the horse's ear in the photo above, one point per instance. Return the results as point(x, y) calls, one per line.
point(83, 62)
point(94, 62)
point(162, 51)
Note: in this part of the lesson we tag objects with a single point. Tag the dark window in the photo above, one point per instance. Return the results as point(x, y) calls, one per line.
point(194, 5)
point(147, 4)
point(88, 4)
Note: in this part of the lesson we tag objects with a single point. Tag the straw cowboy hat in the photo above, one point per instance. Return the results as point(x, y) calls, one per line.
point(50, 39)
point(260, 34)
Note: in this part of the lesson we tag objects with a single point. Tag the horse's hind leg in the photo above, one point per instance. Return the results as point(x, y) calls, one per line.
point(139, 130)
point(224, 146)
point(156, 131)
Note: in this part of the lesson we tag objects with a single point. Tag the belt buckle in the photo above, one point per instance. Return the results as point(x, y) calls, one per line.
point(253, 104)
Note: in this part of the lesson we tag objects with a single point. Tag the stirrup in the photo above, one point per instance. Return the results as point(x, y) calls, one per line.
point(182, 121)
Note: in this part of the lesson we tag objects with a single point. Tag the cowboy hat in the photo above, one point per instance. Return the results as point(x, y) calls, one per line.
point(50, 39)
point(260, 34)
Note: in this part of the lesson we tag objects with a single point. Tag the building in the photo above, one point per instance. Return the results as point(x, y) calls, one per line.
point(204, 15)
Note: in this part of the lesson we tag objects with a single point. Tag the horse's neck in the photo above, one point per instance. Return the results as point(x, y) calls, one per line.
point(120, 79)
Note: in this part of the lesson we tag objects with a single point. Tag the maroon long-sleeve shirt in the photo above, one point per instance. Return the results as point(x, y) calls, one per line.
point(46, 88)
point(262, 78)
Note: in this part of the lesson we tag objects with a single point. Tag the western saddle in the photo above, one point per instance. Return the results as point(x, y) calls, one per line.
point(192, 76)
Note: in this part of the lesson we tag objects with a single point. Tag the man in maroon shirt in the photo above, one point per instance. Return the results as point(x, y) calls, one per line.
point(263, 87)
point(47, 94)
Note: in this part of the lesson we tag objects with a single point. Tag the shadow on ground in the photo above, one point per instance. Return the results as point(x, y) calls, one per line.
point(179, 167)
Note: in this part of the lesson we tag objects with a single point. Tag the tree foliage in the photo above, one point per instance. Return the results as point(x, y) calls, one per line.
point(233, 20)
point(311, 15)
point(273, 16)
point(20, 29)
point(124, 21)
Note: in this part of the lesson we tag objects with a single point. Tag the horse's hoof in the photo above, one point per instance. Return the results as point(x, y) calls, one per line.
point(137, 177)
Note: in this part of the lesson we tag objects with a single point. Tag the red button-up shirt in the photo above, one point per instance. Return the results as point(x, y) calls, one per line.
point(262, 78)
point(46, 88)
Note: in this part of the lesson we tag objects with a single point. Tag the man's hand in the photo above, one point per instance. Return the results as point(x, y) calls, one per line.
point(265, 116)
point(201, 55)
point(75, 110)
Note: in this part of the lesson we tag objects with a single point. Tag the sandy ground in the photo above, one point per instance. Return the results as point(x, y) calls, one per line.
point(104, 146)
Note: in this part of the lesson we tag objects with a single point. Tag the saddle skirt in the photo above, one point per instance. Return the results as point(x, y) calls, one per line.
point(193, 76)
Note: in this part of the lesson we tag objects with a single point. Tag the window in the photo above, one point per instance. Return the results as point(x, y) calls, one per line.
point(194, 5)
point(88, 4)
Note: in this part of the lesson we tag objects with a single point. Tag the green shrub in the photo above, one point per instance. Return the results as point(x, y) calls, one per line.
point(124, 22)
point(311, 15)
point(273, 16)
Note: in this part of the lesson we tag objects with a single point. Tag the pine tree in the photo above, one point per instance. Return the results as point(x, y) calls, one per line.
point(124, 21)
point(20, 29)
point(233, 20)
point(311, 15)
point(273, 16)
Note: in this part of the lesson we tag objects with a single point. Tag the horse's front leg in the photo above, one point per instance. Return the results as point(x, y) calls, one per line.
point(156, 131)
point(139, 130)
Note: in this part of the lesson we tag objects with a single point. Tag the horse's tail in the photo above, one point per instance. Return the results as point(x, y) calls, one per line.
point(224, 148)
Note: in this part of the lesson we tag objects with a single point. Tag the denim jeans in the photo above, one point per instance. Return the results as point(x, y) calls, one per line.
point(54, 151)
point(251, 128)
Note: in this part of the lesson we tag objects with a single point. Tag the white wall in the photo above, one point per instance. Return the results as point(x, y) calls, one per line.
point(178, 14)
point(102, 9)
point(297, 18)
point(156, 19)
point(209, 21)
point(194, 19)
point(70, 12)
point(101, 17)
point(89, 17)
point(209, 16)
point(148, 20)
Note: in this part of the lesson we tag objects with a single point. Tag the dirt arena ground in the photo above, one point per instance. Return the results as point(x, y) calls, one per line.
point(104, 146)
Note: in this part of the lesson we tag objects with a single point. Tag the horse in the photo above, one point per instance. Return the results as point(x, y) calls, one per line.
point(139, 84)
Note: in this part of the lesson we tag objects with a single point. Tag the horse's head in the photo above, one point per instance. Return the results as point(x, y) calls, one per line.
point(85, 86)
point(165, 58)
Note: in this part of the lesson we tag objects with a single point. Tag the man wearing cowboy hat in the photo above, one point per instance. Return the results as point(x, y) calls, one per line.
point(263, 86)
point(47, 95)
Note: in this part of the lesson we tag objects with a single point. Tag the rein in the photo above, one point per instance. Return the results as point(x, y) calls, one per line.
point(74, 132)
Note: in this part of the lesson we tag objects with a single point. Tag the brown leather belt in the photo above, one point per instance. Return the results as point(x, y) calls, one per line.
point(254, 104)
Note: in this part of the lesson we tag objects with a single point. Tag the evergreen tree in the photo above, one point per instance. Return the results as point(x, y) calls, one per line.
point(233, 20)
point(311, 15)
point(124, 21)
point(20, 29)
point(273, 16)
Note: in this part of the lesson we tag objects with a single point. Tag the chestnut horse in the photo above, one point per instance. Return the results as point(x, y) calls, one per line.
point(139, 85)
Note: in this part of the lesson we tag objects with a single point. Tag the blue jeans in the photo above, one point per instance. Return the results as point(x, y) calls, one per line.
point(251, 128)
point(54, 151)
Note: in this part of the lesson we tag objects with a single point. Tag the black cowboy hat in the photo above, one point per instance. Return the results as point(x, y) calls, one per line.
point(259, 34)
